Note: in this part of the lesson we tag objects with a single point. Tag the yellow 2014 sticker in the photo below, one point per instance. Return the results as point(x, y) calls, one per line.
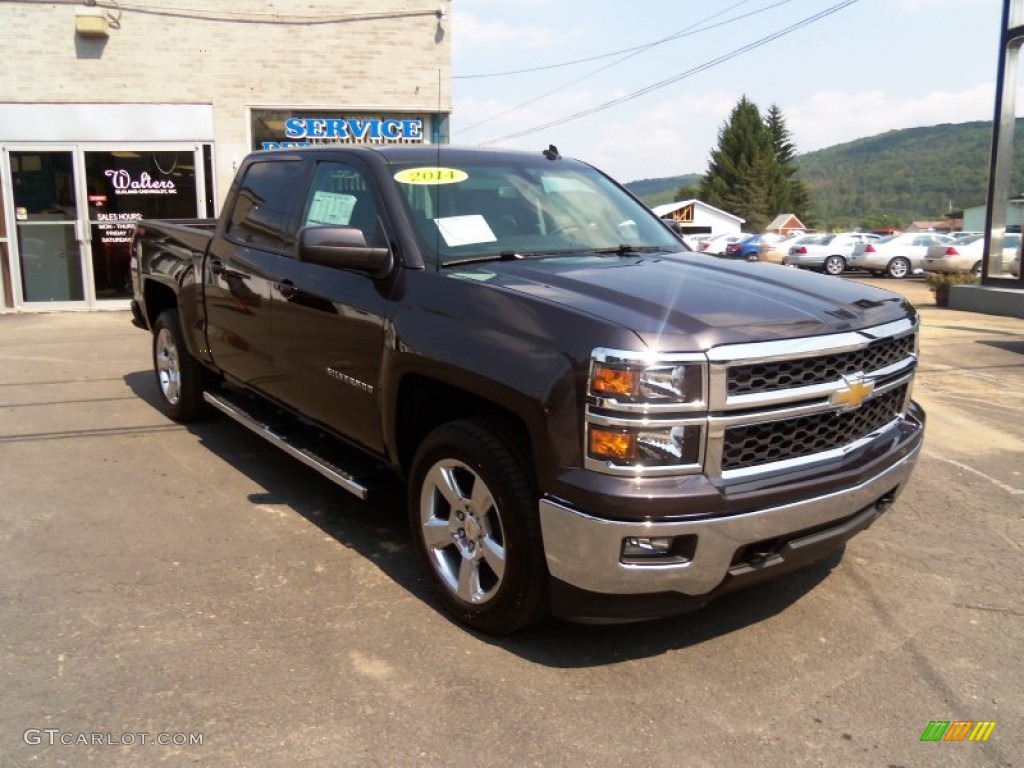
point(431, 176)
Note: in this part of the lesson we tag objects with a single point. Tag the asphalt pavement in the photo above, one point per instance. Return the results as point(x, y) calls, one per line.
point(166, 585)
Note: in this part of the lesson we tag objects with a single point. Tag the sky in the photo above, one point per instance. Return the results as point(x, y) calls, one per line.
point(862, 67)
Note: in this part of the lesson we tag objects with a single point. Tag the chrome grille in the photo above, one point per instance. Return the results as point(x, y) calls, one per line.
point(768, 442)
point(764, 377)
point(779, 405)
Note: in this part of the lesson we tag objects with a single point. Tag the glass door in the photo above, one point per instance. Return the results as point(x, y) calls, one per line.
point(122, 186)
point(48, 231)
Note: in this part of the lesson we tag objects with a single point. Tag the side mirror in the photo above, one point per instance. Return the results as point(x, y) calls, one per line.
point(343, 248)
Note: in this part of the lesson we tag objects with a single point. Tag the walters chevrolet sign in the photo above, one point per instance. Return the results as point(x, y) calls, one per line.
point(144, 184)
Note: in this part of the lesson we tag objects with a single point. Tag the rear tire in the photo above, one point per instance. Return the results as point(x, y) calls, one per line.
point(976, 270)
point(835, 265)
point(474, 518)
point(179, 378)
point(898, 268)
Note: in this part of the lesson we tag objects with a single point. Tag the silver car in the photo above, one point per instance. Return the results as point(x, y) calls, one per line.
point(897, 255)
point(829, 253)
point(967, 254)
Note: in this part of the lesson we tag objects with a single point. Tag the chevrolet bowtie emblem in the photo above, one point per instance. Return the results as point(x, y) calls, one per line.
point(857, 389)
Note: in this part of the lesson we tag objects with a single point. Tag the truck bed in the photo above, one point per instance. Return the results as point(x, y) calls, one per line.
point(194, 234)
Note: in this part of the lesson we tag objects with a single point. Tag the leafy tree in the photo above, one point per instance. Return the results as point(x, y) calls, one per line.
point(689, 192)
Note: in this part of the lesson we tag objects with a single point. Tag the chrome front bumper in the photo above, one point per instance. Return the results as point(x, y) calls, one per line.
point(585, 551)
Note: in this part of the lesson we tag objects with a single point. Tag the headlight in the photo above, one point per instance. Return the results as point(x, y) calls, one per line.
point(621, 382)
point(646, 413)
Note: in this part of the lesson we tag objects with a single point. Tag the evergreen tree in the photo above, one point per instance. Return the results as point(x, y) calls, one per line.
point(751, 171)
point(739, 173)
point(789, 194)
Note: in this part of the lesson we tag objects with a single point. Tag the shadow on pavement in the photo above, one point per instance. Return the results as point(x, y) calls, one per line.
point(1009, 346)
point(378, 531)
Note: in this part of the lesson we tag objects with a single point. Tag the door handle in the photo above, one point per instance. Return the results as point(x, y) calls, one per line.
point(287, 289)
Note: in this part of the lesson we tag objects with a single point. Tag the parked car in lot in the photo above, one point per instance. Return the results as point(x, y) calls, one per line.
point(750, 247)
point(715, 246)
point(896, 256)
point(967, 255)
point(775, 250)
point(696, 242)
point(828, 253)
point(1014, 268)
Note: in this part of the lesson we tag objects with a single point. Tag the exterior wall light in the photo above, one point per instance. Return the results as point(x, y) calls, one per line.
point(91, 22)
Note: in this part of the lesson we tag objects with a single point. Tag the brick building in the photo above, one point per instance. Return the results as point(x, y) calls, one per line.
point(110, 113)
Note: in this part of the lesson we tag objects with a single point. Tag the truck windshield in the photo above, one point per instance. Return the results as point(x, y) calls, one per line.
point(494, 208)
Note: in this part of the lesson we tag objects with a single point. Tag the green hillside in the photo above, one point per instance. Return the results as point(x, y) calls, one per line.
point(658, 191)
point(915, 173)
point(905, 175)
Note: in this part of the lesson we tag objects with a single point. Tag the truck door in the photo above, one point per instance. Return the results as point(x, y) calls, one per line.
point(238, 271)
point(328, 323)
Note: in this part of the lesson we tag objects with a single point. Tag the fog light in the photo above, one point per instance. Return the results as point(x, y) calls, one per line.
point(642, 546)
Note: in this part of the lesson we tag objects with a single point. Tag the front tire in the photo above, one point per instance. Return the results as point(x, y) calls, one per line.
point(835, 265)
point(178, 376)
point(473, 513)
point(898, 268)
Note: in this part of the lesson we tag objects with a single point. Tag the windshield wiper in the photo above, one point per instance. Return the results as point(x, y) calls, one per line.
point(624, 249)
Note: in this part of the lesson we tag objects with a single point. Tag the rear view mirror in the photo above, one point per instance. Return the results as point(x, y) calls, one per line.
point(343, 248)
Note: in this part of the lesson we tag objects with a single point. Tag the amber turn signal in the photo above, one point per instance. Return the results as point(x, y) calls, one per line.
point(613, 445)
point(615, 381)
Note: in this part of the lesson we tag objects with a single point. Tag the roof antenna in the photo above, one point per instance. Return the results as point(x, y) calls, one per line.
point(551, 153)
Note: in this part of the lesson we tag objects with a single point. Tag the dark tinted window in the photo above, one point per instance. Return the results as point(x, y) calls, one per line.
point(260, 216)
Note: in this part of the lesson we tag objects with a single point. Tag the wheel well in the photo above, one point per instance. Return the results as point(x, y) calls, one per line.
point(425, 404)
point(158, 298)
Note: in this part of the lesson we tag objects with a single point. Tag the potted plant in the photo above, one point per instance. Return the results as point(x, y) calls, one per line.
point(941, 282)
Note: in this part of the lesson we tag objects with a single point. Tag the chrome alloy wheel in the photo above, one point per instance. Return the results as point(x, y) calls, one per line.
point(462, 531)
point(168, 366)
point(899, 268)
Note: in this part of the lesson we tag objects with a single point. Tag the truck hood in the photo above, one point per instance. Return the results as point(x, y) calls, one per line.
point(680, 301)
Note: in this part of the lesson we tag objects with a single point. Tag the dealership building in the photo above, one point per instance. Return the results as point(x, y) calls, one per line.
point(112, 113)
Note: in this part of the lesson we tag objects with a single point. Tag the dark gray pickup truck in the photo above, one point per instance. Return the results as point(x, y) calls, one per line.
point(588, 419)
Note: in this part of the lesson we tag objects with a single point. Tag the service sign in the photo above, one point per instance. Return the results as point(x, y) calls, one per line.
point(284, 130)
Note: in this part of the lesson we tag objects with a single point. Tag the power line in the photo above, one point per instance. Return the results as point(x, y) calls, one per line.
point(236, 17)
point(676, 78)
point(685, 32)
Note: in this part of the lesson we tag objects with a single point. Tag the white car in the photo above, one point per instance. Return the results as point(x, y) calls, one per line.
point(696, 241)
point(897, 255)
point(715, 246)
point(1014, 268)
point(967, 255)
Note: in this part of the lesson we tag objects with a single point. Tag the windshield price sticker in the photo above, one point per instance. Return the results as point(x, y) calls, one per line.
point(431, 176)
